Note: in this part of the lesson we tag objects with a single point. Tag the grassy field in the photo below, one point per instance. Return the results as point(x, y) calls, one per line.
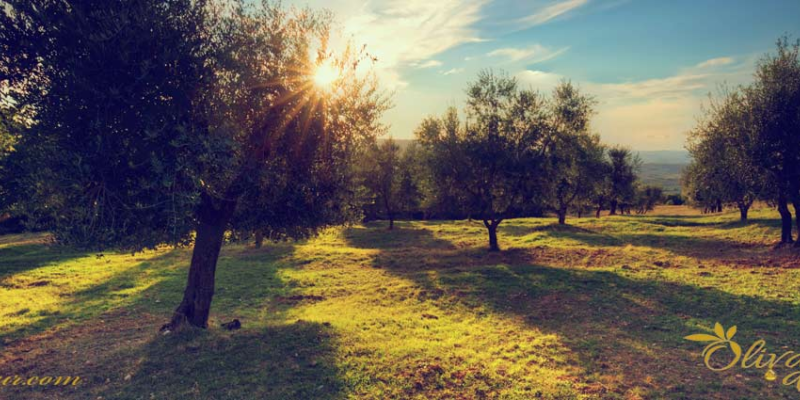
point(597, 309)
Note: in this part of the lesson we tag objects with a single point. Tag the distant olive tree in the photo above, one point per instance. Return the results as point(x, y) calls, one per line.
point(647, 198)
point(574, 156)
point(382, 177)
point(623, 166)
point(438, 150)
point(723, 146)
point(413, 177)
point(493, 157)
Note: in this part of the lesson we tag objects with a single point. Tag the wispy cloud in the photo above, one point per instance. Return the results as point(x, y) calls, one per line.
point(535, 54)
point(404, 33)
point(453, 71)
point(715, 62)
point(552, 11)
point(651, 113)
point(427, 64)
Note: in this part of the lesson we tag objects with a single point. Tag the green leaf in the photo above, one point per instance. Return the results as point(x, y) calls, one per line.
point(702, 337)
point(730, 333)
point(719, 330)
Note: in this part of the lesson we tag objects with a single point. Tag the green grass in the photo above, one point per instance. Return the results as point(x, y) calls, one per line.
point(597, 309)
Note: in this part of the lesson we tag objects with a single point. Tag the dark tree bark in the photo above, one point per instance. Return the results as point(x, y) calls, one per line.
point(196, 304)
point(796, 204)
point(597, 214)
point(613, 209)
point(388, 208)
point(743, 208)
point(562, 216)
point(491, 225)
point(259, 238)
point(719, 205)
point(786, 220)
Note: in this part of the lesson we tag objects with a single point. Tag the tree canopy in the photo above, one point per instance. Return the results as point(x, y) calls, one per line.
point(170, 122)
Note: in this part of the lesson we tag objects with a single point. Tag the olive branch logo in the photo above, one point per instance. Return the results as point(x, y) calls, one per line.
point(721, 340)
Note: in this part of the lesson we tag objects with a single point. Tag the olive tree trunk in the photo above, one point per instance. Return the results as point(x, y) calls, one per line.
point(786, 220)
point(562, 216)
point(259, 238)
point(196, 304)
point(744, 207)
point(491, 226)
point(796, 203)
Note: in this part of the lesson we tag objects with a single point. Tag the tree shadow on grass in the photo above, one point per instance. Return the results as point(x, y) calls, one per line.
point(283, 361)
point(579, 234)
point(121, 355)
point(702, 248)
point(678, 221)
point(403, 236)
point(16, 258)
point(626, 333)
point(118, 291)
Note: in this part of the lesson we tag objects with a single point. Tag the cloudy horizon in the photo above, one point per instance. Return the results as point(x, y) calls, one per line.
point(650, 64)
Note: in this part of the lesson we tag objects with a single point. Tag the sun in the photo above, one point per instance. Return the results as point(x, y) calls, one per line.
point(325, 74)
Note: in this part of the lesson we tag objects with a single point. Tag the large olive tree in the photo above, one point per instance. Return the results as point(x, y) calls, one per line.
point(156, 122)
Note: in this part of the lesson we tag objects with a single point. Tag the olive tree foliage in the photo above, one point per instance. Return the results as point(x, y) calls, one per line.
point(382, 177)
point(157, 122)
point(7, 141)
point(109, 90)
point(620, 191)
point(701, 188)
point(723, 146)
point(491, 159)
point(413, 183)
point(774, 98)
point(439, 155)
point(574, 156)
point(647, 197)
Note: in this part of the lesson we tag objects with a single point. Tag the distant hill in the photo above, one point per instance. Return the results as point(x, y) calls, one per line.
point(660, 167)
point(663, 168)
point(668, 176)
point(665, 157)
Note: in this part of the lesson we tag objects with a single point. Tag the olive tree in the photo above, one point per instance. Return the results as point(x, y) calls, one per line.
point(622, 168)
point(171, 122)
point(493, 157)
point(774, 97)
point(723, 145)
point(574, 156)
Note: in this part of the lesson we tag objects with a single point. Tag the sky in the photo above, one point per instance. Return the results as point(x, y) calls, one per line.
point(650, 64)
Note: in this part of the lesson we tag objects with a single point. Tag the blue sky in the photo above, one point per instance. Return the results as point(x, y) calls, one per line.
point(649, 63)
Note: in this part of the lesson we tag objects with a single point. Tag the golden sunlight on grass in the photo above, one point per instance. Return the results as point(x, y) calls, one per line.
point(325, 74)
point(594, 310)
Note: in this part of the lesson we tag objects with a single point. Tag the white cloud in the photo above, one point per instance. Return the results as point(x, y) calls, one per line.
point(715, 62)
point(542, 81)
point(651, 114)
point(427, 64)
point(453, 71)
point(536, 53)
point(673, 86)
point(404, 33)
point(552, 11)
